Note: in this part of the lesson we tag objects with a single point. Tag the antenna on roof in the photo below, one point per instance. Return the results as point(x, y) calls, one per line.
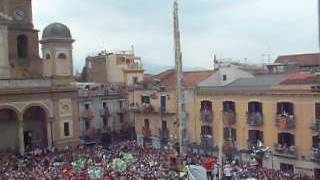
point(132, 49)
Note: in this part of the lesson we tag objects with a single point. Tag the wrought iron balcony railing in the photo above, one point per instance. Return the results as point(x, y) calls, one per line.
point(146, 131)
point(316, 154)
point(147, 108)
point(255, 119)
point(316, 126)
point(285, 122)
point(206, 141)
point(206, 116)
point(164, 133)
point(229, 118)
point(104, 112)
point(283, 150)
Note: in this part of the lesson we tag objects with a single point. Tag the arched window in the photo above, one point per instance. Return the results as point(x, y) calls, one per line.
point(48, 56)
point(62, 56)
point(22, 46)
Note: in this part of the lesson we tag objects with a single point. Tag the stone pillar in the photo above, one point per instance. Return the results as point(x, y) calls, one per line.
point(49, 132)
point(21, 134)
point(4, 53)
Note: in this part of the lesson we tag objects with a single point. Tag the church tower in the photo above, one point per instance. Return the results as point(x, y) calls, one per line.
point(18, 41)
point(57, 53)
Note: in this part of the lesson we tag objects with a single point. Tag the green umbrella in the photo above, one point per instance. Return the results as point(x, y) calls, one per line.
point(96, 173)
point(79, 164)
point(119, 165)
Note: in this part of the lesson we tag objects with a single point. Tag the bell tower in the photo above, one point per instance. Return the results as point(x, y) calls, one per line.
point(57, 54)
point(23, 46)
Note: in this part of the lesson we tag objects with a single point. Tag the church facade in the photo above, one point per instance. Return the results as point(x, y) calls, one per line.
point(38, 104)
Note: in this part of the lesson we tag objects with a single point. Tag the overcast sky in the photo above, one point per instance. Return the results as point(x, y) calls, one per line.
point(237, 29)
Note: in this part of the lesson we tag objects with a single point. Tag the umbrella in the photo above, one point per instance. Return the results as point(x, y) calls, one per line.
point(196, 173)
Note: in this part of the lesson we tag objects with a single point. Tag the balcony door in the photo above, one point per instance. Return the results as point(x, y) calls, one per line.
point(163, 103)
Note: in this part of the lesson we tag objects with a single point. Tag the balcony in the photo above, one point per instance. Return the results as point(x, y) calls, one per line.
point(134, 67)
point(316, 126)
point(282, 150)
point(99, 92)
point(87, 114)
point(134, 107)
point(124, 110)
point(285, 122)
point(316, 155)
point(146, 131)
point(147, 108)
point(164, 133)
point(229, 118)
point(165, 111)
point(255, 119)
point(229, 148)
point(27, 83)
point(206, 141)
point(104, 112)
point(206, 116)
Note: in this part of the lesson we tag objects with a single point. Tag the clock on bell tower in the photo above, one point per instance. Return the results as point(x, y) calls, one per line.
point(23, 42)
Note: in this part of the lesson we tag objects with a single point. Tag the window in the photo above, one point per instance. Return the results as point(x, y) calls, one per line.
point(286, 168)
point(206, 130)
point(229, 134)
point(146, 123)
point(22, 46)
point(121, 118)
point(66, 129)
point(229, 106)
point(86, 106)
point(224, 77)
point(163, 103)
point(255, 136)
point(48, 56)
point(285, 108)
point(206, 106)
point(255, 107)
point(164, 124)
point(121, 104)
point(317, 111)
point(135, 80)
point(62, 56)
point(286, 139)
point(315, 142)
point(145, 99)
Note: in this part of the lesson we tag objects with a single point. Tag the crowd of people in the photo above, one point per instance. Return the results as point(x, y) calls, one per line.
point(147, 163)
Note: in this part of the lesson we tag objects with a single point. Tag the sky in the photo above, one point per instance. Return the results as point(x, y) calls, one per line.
point(238, 30)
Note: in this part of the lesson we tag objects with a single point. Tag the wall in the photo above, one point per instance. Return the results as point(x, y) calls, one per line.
point(304, 106)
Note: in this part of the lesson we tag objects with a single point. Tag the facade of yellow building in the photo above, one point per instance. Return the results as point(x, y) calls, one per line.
point(281, 111)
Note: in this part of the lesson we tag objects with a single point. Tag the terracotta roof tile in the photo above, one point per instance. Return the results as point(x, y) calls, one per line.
point(302, 78)
point(301, 59)
point(190, 79)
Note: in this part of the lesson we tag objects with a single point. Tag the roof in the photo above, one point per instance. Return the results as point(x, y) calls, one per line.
point(190, 78)
point(301, 78)
point(56, 30)
point(252, 84)
point(301, 59)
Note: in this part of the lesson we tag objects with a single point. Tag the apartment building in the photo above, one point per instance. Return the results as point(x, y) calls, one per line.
point(281, 111)
point(104, 112)
point(153, 106)
point(121, 68)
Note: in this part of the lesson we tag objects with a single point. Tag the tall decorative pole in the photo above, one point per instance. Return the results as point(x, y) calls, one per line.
point(181, 107)
point(319, 23)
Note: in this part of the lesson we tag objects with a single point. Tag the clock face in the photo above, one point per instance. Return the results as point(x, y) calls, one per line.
point(19, 14)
